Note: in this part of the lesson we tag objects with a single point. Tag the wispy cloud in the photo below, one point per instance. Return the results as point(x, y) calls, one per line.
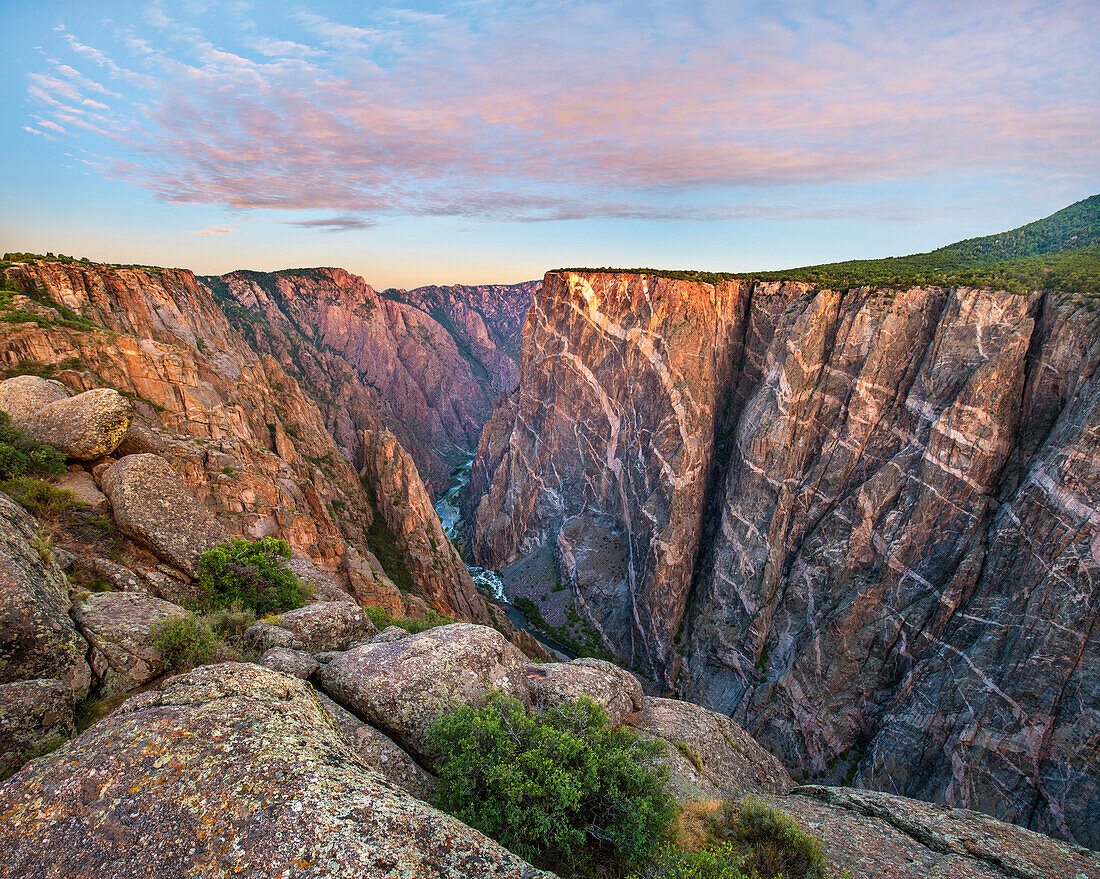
point(549, 111)
point(334, 224)
point(213, 230)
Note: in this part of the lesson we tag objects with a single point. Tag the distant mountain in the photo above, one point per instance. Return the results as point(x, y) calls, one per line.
point(1060, 252)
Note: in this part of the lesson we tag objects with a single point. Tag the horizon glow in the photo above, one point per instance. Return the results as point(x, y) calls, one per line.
point(485, 141)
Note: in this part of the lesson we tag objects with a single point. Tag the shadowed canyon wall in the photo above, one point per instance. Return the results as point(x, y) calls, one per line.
point(863, 522)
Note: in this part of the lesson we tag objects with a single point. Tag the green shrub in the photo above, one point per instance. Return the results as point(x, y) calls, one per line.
point(253, 573)
point(716, 861)
point(231, 620)
point(773, 844)
point(184, 641)
point(19, 454)
point(41, 498)
point(563, 789)
point(382, 618)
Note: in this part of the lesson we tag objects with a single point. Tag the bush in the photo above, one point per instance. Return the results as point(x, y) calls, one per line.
point(255, 574)
point(773, 844)
point(382, 618)
point(42, 499)
point(184, 641)
point(563, 789)
point(19, 454)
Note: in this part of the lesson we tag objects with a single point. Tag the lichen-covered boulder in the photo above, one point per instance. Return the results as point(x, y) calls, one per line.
point(389, 634)
point(401, 687)
point(35, 716)
point(37, 636)
point(614, 688)
point(327, 625)
point(876, 835)
point(140, 439)
point(321, 586)
point(83, 487)
point(119, 626)
point(289, 662)
point(151, 503)
point(229, 770)
point(24, 395)
point(85, 427)
point(381, 753)
point(710, 756)
point(261, 637)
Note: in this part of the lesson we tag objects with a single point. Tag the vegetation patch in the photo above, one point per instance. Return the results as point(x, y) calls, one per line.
point(382, 619)
point(19, 454)
point(383, 544)
point(253, 574)
point(183, 641)
point(561, 789)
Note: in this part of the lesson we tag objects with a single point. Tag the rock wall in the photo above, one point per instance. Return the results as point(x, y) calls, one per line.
point(428, 364)
point(245, 437)
point(860, 522)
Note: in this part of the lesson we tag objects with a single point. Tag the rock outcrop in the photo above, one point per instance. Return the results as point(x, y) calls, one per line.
point(401, 687)
point(37, 636)
point(428, 364)
point(862, 522)
point(85, 427)
point(616, 690)
point(230, 769)
point(35, 717)
point(23, 395)
point(327, 625)
point(151, 503)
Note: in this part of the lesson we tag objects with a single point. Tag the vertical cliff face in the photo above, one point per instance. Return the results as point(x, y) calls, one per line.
point(860, 522)
point(427, 364)
point(245, 437)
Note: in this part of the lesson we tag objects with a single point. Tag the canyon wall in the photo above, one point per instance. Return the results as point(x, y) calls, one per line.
point(860, 522)
point(246, 438)
point(428, 364)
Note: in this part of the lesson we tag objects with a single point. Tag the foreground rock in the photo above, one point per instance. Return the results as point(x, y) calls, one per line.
point(401, 687)
point(295, 663)
point(151, 503)
point(710, 756)
point(616, 689)
point(85, 427)
point(229, 770)
point(119, 627)
point(35, 716)
point(877, 835)
point(381, 753)
point(327, 625)
point(24, 395)
point(37, 637)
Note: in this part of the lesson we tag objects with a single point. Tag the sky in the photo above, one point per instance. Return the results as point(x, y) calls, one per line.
point(487, 141)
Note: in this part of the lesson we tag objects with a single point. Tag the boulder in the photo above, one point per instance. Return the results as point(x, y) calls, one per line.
point(381, 753)
point(614, 688)
point(876, 835)
point(261, 637)
point(24, 395)
point(83, 487)
point(390, 634)
point(37, 636)
point(327, 625)
point(230, 769)
point(295, 663)
point(35, 716)
point(710, 756)
point(322, 587)
point(122, 578)
point(151, 503)
point(119, 625)
point(140, 439)
point(401, 687)
point(85, 427)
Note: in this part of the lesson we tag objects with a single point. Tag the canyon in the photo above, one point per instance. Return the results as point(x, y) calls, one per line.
point(855, 523)
point(860, 521)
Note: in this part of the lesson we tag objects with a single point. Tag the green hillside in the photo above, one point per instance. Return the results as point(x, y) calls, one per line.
point(1060, 253)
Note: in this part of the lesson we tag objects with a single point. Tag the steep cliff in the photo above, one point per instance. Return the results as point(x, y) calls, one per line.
point(245, 437)
point(861, 521)
point(427, 364)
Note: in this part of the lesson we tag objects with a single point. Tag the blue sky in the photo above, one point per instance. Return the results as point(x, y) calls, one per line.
point(487, 141)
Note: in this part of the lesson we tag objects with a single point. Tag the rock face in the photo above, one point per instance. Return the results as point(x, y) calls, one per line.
point(85, 427)
point(35, 716)
point(427, 364)
point(401, 687)
point(230, 769)
point(711, 756)
point(295, 663)
point(869, 516)
point(119, 626)
point(151, 503)
point(23, 395)
point(327, 625)
point(615, 689)
point(37, 636)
